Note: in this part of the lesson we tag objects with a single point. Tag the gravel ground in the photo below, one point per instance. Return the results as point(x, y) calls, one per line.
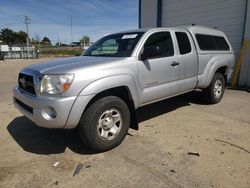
point(155, 156)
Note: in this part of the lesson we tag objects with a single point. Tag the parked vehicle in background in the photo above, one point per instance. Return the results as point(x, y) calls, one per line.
point(100, 91)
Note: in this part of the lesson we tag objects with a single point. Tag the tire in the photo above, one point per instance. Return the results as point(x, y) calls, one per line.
point(104, 125)
point(215, 91)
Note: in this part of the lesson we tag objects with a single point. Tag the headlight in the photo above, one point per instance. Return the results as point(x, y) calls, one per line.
point(55, 84)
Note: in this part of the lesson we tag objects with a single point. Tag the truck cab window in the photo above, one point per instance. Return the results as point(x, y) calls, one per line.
point(162, 40)
point(183, 42)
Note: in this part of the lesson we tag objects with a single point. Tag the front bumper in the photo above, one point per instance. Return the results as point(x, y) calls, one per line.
point(44, 111)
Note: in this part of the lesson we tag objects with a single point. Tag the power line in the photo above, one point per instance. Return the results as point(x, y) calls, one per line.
point(27, 22)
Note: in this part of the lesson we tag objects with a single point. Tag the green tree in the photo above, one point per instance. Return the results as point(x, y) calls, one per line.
point(8, 36)
point(85, 40)
point(46, 40)
point(20, 37)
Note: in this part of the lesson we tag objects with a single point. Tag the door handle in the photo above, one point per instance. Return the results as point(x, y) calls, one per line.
point(175, 64)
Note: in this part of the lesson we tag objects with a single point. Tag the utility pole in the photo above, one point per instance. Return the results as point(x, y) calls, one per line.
point(27, 22)
point(71, 30)
point(58, 40)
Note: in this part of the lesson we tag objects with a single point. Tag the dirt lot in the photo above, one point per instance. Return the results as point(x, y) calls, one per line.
point(154, 156)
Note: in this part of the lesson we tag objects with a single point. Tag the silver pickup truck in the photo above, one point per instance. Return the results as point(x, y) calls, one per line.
point(100, 91)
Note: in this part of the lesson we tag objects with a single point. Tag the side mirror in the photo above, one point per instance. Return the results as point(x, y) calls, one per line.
point(151, 51)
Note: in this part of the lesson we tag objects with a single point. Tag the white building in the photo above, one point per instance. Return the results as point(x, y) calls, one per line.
point(230, 16)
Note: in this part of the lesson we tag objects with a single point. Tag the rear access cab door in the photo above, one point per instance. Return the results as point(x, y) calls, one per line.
point(188, 58)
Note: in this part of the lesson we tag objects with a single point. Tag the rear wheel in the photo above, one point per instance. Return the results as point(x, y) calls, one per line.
point(215, 91)
point(105, 123)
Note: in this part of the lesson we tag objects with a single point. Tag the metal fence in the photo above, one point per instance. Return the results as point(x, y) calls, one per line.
point(18, 52)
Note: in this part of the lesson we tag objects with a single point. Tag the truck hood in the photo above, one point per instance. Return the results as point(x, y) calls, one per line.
point(66, 65)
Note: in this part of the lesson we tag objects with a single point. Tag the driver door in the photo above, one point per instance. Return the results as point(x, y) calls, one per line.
point(159, 75)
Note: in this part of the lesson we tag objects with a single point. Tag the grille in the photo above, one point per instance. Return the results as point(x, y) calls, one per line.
point(24, 106)
point(26, 83)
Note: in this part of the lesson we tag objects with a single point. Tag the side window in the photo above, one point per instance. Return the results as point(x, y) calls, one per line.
point(205, 42)
point(221, 43)
point(209, 42)
point(183, 42)
point(162, 40)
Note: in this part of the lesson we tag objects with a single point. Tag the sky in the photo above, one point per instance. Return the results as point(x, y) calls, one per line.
point(52, 18)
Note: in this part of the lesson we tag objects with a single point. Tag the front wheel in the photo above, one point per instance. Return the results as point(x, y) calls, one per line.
point(215, 91)
point(105, 123)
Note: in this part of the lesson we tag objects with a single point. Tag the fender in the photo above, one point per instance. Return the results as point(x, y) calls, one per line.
point(92, 89)
point(112, 82)
point(213, 65)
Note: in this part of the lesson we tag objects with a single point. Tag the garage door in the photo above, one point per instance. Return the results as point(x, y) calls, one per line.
point(226, 15)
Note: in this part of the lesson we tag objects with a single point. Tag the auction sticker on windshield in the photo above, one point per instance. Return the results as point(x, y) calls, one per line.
point(131, 36)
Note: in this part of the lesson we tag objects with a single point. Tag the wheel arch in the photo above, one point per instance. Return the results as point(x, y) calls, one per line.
point(123, 92)
point(220, 66)
point(224, 71)
point(125, 81)
point(123, 86)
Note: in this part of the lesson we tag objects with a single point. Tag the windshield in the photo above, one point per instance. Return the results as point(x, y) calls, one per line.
point(116, 45)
